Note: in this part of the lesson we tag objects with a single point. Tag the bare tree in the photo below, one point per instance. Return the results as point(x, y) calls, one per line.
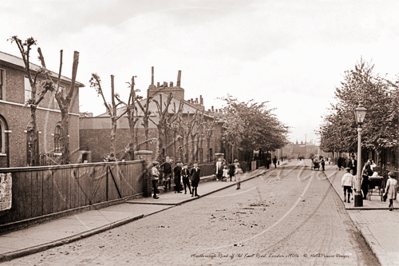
point(132, 117)
point(174, 123)
point(209, 127)
point(163, 114)
point(32, 132)
point(64, 102)
point(95, 82)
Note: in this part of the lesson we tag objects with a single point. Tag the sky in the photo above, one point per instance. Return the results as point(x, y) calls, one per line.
point(292, 54)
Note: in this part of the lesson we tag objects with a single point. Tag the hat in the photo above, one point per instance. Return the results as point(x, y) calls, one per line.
point(347, 169)
point(391, 174)
point(154, 163)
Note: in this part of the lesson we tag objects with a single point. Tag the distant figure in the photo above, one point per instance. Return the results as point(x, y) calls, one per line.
point(391, 189)
point(219, 169)
point(353, 165)
point(339, 163)
point(167, 172)
point(347, 183)
point(366, 172)
point(275, 161)
point(267, 162)
point(177, 176)
point(232, 169)
point(154, 178)
point(225, 173)
point(185, 177)
point(323, 163)
point(238, 174)
point(195, 178)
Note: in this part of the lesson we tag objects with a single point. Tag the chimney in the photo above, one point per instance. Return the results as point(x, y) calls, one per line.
point(196, 100)
point(212, 109)
point(191, 101)
point(201, 100)
point(171, 84)
point(178, 79)
point(152, 76)
point(165, 84)
point(158, 84)
point(209, 110)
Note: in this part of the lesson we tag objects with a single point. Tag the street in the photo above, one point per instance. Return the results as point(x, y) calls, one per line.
point(288, 216)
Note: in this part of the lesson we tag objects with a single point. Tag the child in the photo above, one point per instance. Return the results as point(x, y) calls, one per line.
point(347, 183)
point(154, 178)
point(238, 175)
point(225, 173)
point(195, 178)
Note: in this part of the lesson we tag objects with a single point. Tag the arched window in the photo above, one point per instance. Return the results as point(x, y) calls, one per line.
point(57, 139)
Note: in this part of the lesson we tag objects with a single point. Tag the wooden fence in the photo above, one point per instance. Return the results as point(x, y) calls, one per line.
point(40, 191)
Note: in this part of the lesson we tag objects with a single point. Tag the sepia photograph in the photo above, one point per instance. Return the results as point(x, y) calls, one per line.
point(199, 132)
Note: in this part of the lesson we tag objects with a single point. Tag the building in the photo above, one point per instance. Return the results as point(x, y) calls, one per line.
point(296, 150)
point(95, 131)
point(15, 90)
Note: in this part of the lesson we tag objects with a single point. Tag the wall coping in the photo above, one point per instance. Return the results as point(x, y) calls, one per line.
point(65, 166)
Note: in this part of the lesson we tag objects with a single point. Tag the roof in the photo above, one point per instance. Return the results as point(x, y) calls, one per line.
point(187, 107)
point(17, 61)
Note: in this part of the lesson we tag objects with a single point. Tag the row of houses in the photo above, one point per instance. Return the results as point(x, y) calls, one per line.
point(89, 136)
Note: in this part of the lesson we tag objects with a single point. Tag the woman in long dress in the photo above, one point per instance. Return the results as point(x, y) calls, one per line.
point(391, 189)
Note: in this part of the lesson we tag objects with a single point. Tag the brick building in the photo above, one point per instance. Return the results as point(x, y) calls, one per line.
point(15, 116)
point(95, 131)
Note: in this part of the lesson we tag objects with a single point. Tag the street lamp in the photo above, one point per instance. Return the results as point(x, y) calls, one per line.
point(360, 113)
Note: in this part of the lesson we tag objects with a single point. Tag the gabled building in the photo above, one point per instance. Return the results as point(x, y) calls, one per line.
point(15, 90)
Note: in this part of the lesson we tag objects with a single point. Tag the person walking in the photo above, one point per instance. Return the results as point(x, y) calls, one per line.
point(195, 178)
point(167, 172)
point(177, 176)
point(154, 178)
point(347, 183)
point(391, 189)
point(232, 169)
point(275, 161)
point(185, 177)
point(323, 164)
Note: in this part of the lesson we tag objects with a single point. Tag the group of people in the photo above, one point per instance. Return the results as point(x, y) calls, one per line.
point(316, 161)
point(225, 172)
point(350, 179)
point(185, 178)
point(181, 174)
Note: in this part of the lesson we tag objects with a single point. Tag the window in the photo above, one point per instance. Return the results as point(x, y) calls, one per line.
point(3, 137)
point(28, 89)
point(57, 139)
point(2, 87)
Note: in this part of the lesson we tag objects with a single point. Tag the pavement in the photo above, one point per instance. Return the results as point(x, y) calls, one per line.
point(378, 225)
point(71, 228)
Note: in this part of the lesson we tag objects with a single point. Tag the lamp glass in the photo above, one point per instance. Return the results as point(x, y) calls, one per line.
point(360, 113)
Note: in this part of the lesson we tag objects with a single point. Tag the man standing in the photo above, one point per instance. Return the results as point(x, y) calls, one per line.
point(275, 161)
point(177, 174)
point(167, 172)
point(186, 182)
point(195, 178)
point(232, 169)
point(154, 178)
point(353, 165)
point(219, 169)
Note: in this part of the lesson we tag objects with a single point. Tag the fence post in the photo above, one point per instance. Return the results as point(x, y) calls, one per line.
point(146, 157)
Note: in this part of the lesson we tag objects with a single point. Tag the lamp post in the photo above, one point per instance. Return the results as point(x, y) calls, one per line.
point(360, 113)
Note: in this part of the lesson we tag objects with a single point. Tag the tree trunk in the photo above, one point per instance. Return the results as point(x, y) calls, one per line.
point(145, 124)
point(66, 157)
point(208, 151)
point(175, 145)
point(186, 150)
point(193, 147)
